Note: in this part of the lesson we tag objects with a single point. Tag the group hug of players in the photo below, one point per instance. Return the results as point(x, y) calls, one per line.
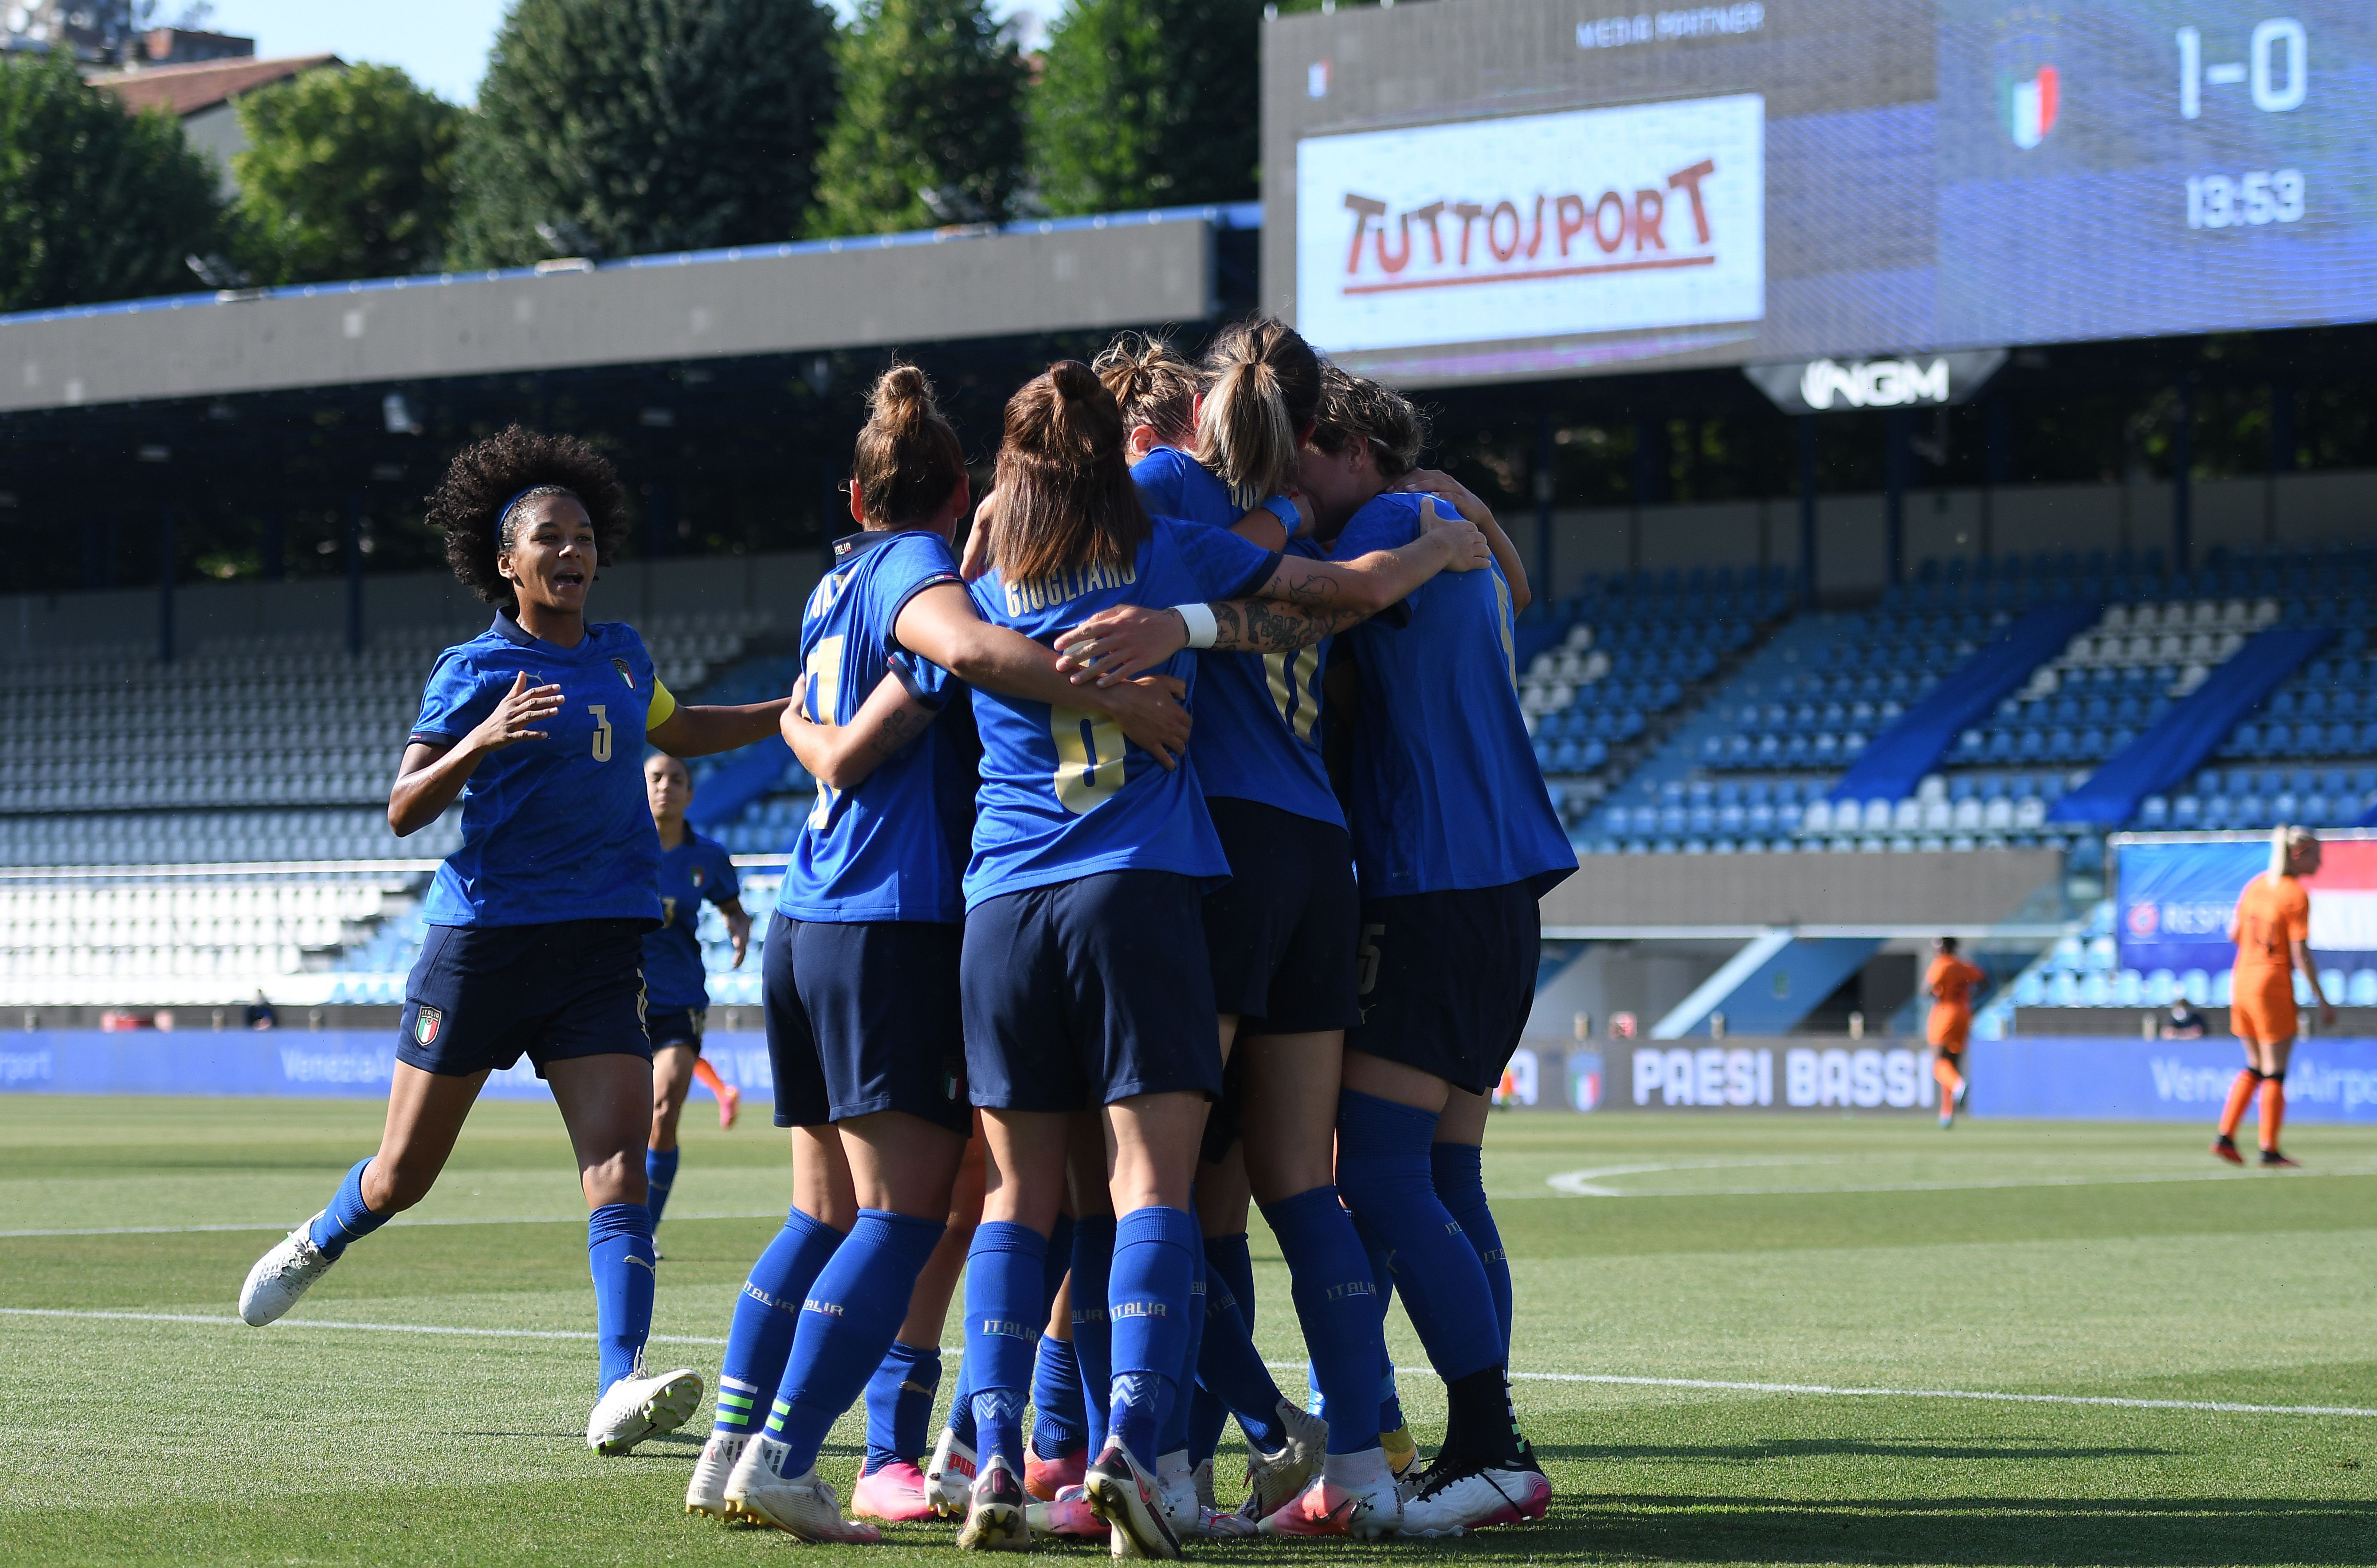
point(1057, 985)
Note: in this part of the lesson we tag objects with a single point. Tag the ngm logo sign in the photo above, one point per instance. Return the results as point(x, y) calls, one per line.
point(1540, 225)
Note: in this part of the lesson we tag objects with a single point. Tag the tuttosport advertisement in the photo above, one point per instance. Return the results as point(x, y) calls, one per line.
point(2172, 900)
point(1537, 225)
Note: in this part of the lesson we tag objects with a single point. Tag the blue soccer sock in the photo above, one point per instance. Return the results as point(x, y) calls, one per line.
point(619, 1252)
point(1382, 1167)
point(1338, 1305)
point(1094, 1247)
point(848, 1319)
point(1057, 1426)
point(1391, 1405)
point(1230, 1257)
point(349, 1218)
point(1005, 1305)
point(900, 1405)
point(766, 1311)
point(961, 1421)
point(660, 1175)
point(1230, 1368)
point(1179, 1398)
point(1458, 1173)
point(1156, 1255)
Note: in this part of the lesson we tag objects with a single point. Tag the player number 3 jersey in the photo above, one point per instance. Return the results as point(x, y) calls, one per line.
point(557, 829)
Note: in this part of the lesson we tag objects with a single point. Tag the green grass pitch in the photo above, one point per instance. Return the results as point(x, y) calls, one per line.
point(2114, 1262)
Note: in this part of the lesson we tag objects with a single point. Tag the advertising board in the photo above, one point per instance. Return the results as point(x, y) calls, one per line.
point(1501, 189)
point(2173, 897)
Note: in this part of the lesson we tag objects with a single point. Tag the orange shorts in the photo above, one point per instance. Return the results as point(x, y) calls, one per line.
point(1948, 1027)
point(2263, 1011)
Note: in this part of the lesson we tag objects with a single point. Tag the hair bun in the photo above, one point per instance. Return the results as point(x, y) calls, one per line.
point(1076, 381)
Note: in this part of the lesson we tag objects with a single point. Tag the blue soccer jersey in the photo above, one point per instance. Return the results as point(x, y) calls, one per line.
point(697, 869)
point(1444, 789)
point(554, 828)
point(1063, 794)
point(1258, 714)
point(894, 847)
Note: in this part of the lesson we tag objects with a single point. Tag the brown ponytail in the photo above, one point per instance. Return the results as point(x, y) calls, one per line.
point(908, 459)
point(1152, 385)
point(1065, 496)
point(1353, 408)
point(1263, 392)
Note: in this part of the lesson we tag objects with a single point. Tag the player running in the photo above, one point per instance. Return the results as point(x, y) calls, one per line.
point(861, 964)
point(1085, 978)
point(1949, 982)
point(538, 726)
point(2272, 931)
point(676, 994)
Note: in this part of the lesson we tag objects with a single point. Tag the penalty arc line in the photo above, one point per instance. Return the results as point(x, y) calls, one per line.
point(1709, 1384)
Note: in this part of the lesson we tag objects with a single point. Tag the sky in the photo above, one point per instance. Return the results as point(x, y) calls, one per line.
point(442, 44)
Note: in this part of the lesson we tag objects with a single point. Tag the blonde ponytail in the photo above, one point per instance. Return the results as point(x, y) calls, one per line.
point(1262, 393)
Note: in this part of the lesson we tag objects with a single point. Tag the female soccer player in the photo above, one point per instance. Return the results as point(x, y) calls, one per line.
point(1280, 935)
point(1949, 982)
point(1454, 839)
point(2272, 931)
point(1084, 978)
point(861, 964)
point(676, 993)
point(538, 726)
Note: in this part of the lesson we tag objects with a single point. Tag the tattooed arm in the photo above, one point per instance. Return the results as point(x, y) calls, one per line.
point(842, 756)
point(1301, 602)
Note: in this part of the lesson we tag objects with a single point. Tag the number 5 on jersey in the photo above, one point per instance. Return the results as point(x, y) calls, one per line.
point(1089, 758)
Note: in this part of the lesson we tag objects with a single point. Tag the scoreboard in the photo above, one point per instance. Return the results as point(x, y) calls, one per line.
point(1476, 191)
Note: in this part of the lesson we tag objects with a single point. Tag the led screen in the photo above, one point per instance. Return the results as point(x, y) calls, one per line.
point(1492, 188)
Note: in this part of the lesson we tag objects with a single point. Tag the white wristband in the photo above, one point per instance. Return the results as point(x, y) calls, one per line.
point(1202, 627)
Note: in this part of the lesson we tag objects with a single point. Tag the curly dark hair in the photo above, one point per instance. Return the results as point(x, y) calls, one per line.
point(468, 503)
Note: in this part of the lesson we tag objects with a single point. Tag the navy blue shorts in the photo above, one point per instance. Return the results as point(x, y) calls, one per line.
point(677, 1026)
point(1447, 980)
point(862, 1017)
point(1280, 932)
point(1086, 992)
point(481, 995)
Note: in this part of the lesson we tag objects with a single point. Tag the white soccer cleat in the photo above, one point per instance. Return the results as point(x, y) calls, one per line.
point(802, 1506)
point(706, 1493)
point(999, 1511)
point(1451, 1499)
point(949, 1477)
point(1275, 1479)
point(1131, 1503)
point(637, 1406)
point(281, 1275)
point(1325, 1508)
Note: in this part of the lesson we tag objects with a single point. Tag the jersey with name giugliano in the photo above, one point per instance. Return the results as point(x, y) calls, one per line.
point(1258, 733)
point(555, 829)
point(1064, 795)
point(892, 847)
point(1445, 791)
point(696, 870)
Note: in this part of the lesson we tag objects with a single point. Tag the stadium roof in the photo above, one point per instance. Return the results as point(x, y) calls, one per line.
point(1055, 275)
point(185, 89)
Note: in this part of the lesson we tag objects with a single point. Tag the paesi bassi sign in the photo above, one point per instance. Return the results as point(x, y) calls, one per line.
point(1538, 225)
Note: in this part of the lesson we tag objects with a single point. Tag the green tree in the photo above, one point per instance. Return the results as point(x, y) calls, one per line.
point(1148, 104)
point(619, 127)
point(931, 129)
point(347, 175)
point(95, 203)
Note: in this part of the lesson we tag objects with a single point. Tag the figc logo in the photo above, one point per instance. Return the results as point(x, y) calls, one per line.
point(2029, 107)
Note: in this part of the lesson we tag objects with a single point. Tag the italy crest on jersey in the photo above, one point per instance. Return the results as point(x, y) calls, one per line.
point(699, 874)
point(425, 1025)
point(624, 673)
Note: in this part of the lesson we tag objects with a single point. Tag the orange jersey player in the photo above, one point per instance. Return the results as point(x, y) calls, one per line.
point(2272, 931)
point(1949, 982)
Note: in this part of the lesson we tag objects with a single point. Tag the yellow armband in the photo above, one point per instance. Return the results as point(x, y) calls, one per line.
point(664, 706)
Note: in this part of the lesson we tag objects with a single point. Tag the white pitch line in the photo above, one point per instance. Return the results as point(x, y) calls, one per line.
point(1712, 1384)
point(1578, 1184)
point(331, 1322)
point(205, 1230)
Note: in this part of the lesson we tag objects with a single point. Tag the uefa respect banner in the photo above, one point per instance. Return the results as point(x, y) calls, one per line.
point(2172, 901)
point(1534, 226)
